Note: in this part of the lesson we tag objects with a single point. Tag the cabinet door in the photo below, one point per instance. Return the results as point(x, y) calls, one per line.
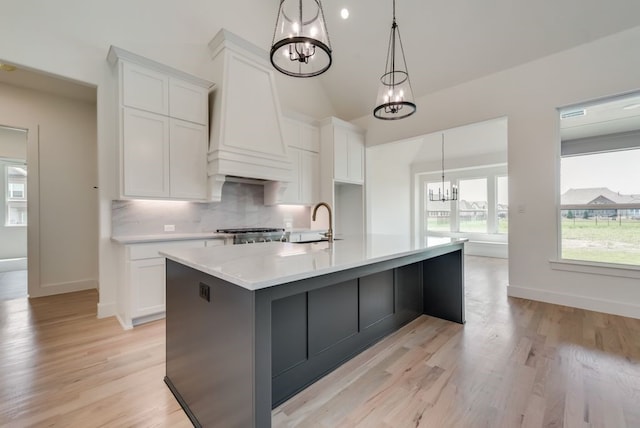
point(188, 160)
point(188, 101)
point(309, 138)
point(147, 287)
point(291, 132)
point(145, 157)
point(145, 89)
point(356, 157)
point(309, 177)
point(292, 193)
point(340, 154)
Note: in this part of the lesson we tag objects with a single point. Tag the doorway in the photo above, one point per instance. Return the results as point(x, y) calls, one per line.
point(57, 118)
point(13, 214)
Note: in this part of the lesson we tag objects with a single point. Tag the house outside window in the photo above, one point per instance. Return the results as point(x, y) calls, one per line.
point(16, 195)
point(600, 207)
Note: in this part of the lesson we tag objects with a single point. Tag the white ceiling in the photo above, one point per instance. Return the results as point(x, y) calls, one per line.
point(447, 42)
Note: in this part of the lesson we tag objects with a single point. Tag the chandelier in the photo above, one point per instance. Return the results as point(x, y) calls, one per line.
point(300, 45)
point(444, 195)
point(395, 97)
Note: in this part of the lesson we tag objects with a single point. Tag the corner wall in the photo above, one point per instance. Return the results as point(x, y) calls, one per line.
point(529, 96)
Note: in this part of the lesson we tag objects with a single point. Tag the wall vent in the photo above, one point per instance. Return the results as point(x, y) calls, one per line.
point(573, 113)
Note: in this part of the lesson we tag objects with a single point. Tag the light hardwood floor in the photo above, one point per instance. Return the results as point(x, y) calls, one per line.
point(515, 363)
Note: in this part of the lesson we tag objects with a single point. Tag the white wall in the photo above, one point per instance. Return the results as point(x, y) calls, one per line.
point(528, 96)
point(67, 174)
point(388, 186)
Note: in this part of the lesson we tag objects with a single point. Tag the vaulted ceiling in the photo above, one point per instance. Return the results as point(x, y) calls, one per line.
point(446, 42)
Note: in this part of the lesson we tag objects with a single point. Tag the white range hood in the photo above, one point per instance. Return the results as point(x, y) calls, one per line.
point(246, 125)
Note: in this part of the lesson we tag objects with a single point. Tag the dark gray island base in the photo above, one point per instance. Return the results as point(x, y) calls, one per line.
point(234, 353)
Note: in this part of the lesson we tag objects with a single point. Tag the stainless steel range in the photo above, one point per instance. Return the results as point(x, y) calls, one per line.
point(255, 234)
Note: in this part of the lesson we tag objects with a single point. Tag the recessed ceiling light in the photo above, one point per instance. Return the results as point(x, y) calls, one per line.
point(344, 13)
point(631, 106)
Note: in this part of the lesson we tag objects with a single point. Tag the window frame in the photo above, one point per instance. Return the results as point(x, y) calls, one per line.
point(11, 201)
point(488, 172)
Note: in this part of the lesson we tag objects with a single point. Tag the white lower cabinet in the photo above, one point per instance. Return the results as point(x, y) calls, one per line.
point(144, 288)
point(147, 278)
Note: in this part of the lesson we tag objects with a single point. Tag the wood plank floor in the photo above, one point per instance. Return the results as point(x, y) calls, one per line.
point(515, 363)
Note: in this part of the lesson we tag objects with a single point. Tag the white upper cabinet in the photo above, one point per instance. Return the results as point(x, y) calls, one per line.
point(145, 154)
point(188, 101)
point(343, 151)
point(163, 129)
point(144, 89)
point(303, 141)
point(188, 160)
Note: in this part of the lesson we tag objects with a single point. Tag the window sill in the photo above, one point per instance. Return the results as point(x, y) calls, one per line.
point(595, 268)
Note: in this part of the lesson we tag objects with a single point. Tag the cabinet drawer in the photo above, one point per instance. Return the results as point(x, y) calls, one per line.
point(150, 250)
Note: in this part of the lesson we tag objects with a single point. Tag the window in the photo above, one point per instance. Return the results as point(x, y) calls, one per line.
point(481, 210)
point(16, 195)
point(472, 205)
point(502, 194)
point(600, 203)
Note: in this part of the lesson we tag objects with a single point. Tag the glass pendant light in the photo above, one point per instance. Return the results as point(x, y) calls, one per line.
point(395, 97)
point(300, 46)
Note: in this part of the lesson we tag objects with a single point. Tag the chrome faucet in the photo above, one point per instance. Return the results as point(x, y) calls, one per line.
point(329, 234)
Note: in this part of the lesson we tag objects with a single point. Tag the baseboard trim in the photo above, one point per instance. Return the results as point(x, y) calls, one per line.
point(125, 325)
point(106, 310)
point(8, 265)
point(64, 287)
point(581, 302)
point(487, 249)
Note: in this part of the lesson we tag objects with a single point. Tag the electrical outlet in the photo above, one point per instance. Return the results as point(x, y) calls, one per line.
point(205, 292)
point(169, 227)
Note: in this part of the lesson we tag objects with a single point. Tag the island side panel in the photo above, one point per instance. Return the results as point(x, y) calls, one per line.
point(332, 320)
point(443, 287)
point(210, 347)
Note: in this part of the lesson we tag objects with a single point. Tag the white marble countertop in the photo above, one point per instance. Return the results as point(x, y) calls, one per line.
point(169, 236)
point(262, 265)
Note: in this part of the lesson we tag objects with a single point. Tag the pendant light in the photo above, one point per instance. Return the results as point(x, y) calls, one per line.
point(395, 97)
point(300, 46)
point(444, 195)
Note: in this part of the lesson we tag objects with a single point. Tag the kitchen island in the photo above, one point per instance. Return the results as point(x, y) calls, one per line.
point(249, 326)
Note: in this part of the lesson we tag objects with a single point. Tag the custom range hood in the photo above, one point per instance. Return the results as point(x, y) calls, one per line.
point(246, 126)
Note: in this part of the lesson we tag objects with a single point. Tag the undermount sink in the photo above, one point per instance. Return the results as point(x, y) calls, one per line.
point(316, 240)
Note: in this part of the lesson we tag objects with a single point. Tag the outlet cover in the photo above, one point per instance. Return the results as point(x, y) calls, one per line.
point(169, 227)
point(205, 292)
